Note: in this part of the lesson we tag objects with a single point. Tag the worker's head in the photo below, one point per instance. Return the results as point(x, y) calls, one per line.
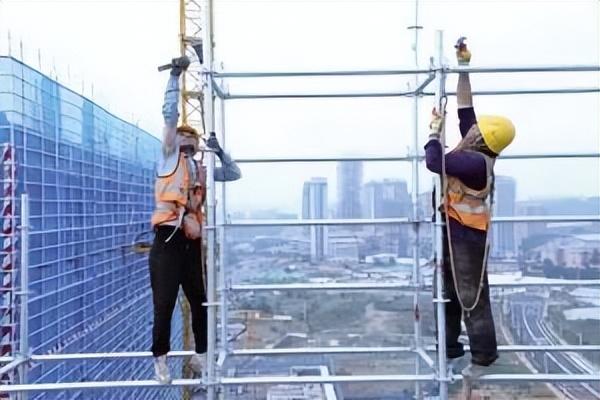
point(497, 132)
point(188, 137)
point(490, 135)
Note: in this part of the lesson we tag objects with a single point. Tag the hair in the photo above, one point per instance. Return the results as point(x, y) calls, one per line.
point(473, 141)
point(186, 129)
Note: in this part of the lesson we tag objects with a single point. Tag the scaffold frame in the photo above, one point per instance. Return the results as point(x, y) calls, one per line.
point(213, 87)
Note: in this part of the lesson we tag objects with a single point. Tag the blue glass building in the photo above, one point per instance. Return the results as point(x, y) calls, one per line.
point(89, 177)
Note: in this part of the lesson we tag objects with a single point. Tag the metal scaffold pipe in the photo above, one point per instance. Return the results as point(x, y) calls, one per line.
point(297, 380)
point(410, 71)
point(416, 274)
point(14, 361)
point(409, 157)
point(211, 295)
point(439, 227)
point(222, 250)
point(24, 299)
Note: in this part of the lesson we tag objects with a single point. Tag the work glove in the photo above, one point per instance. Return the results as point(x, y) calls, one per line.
point(436, 124)
point(213, 143)
point(179, 65)
point(463, 55)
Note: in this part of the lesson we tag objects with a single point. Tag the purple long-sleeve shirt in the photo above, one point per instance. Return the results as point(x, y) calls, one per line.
point(468, 166)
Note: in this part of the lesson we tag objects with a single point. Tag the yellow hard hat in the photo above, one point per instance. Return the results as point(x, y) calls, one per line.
point(498, 132)
point(187, 130)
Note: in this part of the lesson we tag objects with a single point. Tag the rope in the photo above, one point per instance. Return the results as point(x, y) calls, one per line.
point(466, 309)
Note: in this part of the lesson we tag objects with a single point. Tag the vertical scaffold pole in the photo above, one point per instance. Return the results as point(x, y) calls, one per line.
point(211, 216)
point(182, 48)
point(416, 276)
point(440, 99)
point(222, 246)
point(24, 300)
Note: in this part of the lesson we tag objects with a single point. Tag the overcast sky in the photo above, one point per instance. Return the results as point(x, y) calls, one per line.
point(117, 44)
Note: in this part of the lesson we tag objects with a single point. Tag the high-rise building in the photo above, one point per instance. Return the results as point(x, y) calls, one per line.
point(503, 234)
point(388, 199)
point(349, 185)
point(529, 229)
point(314, 206)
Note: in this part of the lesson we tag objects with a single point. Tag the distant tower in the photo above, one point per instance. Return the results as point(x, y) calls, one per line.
point(389, 199)
point(314, 206)
point(349, 184)
point(504, 243)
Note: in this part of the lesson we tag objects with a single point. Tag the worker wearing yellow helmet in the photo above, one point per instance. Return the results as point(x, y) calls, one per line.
point(469, 173)
point(176, 254)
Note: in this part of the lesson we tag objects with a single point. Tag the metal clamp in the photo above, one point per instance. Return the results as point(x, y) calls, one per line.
point(438, 300)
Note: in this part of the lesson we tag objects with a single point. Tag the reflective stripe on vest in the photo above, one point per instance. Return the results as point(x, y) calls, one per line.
point(172, 192)
point(469, 206)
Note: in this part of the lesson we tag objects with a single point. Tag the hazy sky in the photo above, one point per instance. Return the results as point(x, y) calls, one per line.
point(117, 44)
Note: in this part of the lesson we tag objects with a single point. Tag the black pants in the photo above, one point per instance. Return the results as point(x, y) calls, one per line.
point(468, 257)
point(175, 263)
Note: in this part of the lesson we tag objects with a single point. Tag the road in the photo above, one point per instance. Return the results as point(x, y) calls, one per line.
point(533, 329)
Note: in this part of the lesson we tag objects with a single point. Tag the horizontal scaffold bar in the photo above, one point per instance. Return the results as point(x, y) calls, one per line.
point(406, 94)
point(387, 221)
point(292, 74)
point(303, 222)
point(580, 90)
point(450, 70)
point(403, 158)
point(298, 351)
point(318, 95)
point(274, 380)
point(342, 286)
point(533, 68)
point(402, 349)
point(98, 356)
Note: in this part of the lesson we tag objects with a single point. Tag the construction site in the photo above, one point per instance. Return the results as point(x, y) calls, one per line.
point(340, 296)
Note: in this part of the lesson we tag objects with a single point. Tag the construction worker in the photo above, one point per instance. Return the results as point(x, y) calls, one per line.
point(469, 170)
point(176, 254)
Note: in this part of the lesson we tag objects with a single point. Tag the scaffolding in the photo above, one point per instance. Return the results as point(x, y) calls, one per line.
point(429, 82)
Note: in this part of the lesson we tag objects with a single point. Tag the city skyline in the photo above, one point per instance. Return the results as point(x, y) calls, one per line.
point(338, 127)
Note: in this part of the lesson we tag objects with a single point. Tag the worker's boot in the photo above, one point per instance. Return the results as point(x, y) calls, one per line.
point(198, 363)
point(470, 374)
point(161, 370)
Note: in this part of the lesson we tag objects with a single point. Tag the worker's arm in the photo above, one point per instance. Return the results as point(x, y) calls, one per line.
point(464, 97)
point(468, 166)
point(229, 170)
point(466, 120)
point(170, 114)
point(171, 104)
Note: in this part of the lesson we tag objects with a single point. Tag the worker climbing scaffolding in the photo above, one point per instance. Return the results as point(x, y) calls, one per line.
point(467, 174)
point(176, 255)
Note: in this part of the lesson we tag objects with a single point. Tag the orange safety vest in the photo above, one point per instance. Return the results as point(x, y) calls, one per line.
point(469, 206)
point(174, 194)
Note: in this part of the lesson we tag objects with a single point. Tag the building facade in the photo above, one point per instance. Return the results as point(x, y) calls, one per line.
point(349, 186)
point(388, 199)
point(89, 176)
point(504, 244)
point(314, 206)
